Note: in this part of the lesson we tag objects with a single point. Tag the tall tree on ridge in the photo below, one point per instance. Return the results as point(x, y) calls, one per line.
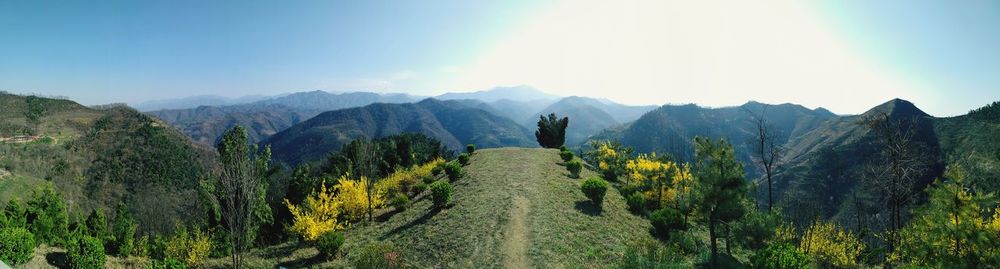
point(551, 131)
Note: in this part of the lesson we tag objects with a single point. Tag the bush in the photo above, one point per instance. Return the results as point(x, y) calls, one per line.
point(17, 245)
point(124, 230)
point(86, 252)
point(377, 256)
point(437, 170)
point(636, 203)
point(167, 263)
point(470, 148)
point(574, 168)
point(454, 171)
point(563, 148)
point(400, 201)
point(419, 188)
point(594, 188)
point(441, 193)
point(428, 179)
point(566, 155)
point(51, 224)
point(463, 159)
point(329, 243)
point(779, 256)
point(190, 247)
point(666, 220)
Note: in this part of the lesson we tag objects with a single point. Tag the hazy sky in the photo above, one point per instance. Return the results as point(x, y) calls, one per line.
point(843, 55)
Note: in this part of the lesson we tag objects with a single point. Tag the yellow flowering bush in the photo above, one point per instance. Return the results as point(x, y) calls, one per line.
point(664, 181)
point(352, 197)
point(317, 214)
point(395, 182)
point(609, 157)
point(191, 247)
point(831, 246)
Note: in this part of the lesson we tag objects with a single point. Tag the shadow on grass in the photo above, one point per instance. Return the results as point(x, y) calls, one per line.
point(278, 252)
point(304, 263)
point(57, 259)
point(423, 219)
point(588, 208)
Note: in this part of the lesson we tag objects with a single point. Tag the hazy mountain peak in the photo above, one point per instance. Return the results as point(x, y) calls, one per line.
point(515, 93)
point(898, 108)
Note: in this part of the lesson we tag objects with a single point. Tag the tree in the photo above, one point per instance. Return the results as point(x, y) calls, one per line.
point(721, 188)
point(895, 172)
point(367, 161)
point(124, 230)
point(242, 185)
point(766, 151)
point(551, 131)
point(950, 230)
point(47, 216)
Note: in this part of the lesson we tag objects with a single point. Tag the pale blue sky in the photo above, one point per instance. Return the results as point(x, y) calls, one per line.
point(846, 56)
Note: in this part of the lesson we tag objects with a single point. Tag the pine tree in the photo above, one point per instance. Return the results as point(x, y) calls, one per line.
point(721, 188)
point(551, 131)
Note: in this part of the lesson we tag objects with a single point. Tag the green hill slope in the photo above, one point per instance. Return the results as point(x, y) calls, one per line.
point(515, 208)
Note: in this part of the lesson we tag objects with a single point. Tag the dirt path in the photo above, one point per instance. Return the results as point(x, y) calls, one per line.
point(515, 244)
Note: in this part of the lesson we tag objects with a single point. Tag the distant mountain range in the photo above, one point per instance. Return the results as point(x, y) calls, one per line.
point(454, 123)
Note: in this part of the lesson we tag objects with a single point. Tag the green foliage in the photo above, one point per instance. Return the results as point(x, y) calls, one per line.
point(470, 148)
point(400, 201)
point(378, 255)
point(609, 157)
point(551, 131)
point(422, 149)
point(636, 203)
point(329, 243)
point(574, 167)
point(441, 193)
point(757, 228)
point(14, 215)
point(17, 245)
point(454, 171)
point(650, 254)
point(86, 252)
point(564, 148)
point(952, 229)
point(50, 222)
point(989, 112)
point(242, 188)
point(97, 224)
point(124, 230)
point(566, 155)
point(167, 263)
point(463, 159)
point(666, 221)
point(437, 170)
point(594, 188)
point(779, 256)
point(140, 248)
point(190, 247)
point(36, 108)
point(420, 187)
point(721, 187)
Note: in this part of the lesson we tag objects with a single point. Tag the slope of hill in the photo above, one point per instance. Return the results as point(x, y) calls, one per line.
point(206, 124)
point(97, 158)
point(515, 208)
point(454, 123)
point(266, 117)
point(671, 128)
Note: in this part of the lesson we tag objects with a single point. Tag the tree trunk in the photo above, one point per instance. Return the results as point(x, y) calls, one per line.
point(715, 248)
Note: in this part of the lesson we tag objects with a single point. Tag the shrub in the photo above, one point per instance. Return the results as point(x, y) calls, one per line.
point(563, 148)
point(17, 245)
point(86, 252)
point(636, 203)
point(574, 168)
point(551, 131)
point(470, 148)
point(400, 201)
point(566, 155)
point(14, 215)
point(594, 188)
point(317, 214)
point(377, 256)
point(51, 224)
point(419, 188)
point(441, 193)
point(779, 256)
point(353, 198)
point(124, 230)
point(454, 171)
point(428, 179)
point(463, 159)
point(141, 247)
point(190, 247)
point(437, 169)
point(666, 220)
point(329, 243)
point(167, 263)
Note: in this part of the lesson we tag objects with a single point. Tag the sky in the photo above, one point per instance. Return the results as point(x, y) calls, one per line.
point(846, 56)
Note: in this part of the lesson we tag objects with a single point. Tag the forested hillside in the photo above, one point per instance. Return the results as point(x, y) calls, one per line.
point(98, 158)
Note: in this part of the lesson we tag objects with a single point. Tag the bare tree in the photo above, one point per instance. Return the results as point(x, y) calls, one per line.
point(895, 172)
point(242, 189)
point(766, 150)
point(367, 157)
